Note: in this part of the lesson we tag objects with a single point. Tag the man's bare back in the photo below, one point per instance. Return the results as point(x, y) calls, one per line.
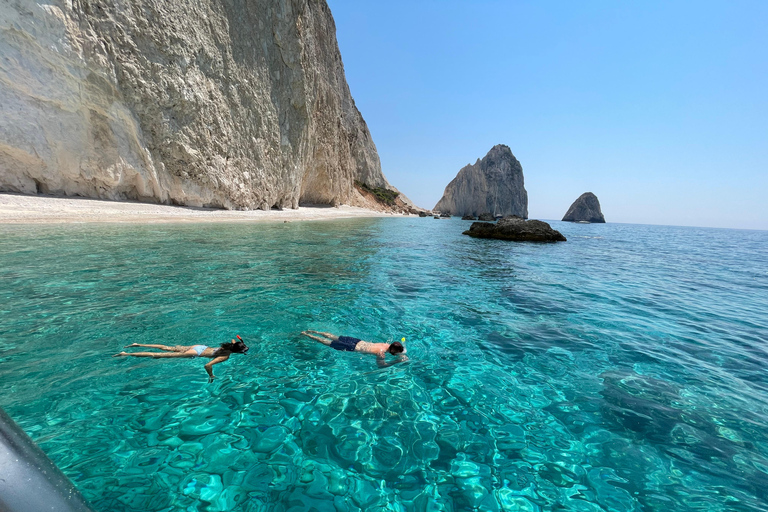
point(349, 344)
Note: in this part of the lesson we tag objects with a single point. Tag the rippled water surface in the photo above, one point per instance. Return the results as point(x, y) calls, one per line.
point(622, 370)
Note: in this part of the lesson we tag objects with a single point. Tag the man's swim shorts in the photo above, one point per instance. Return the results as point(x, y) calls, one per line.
point(345, 343)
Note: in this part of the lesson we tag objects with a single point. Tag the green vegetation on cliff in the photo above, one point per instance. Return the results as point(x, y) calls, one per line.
point(381, 194)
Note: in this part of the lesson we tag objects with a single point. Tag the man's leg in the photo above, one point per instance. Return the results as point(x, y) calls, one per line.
point(332, 337)
point(316, 338)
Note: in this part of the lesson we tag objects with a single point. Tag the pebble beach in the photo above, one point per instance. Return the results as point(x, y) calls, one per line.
point(28, 209)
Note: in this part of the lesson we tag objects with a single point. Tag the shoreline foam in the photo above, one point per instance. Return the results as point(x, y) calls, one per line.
point(28, 209)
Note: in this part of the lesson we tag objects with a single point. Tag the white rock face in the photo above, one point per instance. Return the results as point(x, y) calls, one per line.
point(224, 103)
point(492, 185)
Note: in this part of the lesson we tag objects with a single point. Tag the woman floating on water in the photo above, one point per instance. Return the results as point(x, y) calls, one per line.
point(349, 344)
point(218, 355)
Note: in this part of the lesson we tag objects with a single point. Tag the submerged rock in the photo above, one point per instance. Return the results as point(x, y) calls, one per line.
point(585, 209)
point(516, 229)
point(494, 184)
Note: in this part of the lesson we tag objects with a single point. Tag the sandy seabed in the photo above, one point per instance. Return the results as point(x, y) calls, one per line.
point(26, 209)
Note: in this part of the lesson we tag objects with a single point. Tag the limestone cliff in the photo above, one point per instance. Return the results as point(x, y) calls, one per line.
point(492, 185)
point(224, 103)
point(585, 209)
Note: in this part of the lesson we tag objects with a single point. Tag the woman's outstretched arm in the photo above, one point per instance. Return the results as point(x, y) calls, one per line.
point(209, 366)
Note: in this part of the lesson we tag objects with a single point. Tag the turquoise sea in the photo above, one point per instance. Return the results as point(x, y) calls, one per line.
point(623, 370)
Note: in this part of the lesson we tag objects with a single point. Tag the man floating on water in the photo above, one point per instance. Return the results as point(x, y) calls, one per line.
point(349, 344)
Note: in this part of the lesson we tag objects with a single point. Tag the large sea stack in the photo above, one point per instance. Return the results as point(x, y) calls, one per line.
point(220, 103)
point(492, 185)
point(585, 209)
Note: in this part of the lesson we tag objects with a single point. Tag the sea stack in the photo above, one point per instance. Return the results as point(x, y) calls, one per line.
point(585, 209)
point(492, 185)
point(225, 104)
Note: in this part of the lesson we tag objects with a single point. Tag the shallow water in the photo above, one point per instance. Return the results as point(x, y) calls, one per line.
point(622, 370)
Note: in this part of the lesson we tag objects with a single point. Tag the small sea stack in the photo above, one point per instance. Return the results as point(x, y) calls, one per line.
point(516, 229)
point(585, 209)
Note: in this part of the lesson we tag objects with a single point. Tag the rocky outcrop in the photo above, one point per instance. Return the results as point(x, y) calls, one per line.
point(516, 229)
point(215, 103)
point(585, 209)
point(493, 184)
point(468, 217)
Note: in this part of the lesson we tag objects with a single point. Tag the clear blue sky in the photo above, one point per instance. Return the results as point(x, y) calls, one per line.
point(658, 107)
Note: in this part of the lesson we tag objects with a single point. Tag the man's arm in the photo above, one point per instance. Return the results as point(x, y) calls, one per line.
point(382, 362)
point(209, 366)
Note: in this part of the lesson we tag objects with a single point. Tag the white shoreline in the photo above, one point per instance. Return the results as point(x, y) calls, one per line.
point(28, 209)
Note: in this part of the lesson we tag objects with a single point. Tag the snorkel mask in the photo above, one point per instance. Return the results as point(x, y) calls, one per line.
point(245, 348)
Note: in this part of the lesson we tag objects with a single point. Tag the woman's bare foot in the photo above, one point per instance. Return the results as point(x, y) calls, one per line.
point(121, 354)
point(131, 345)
